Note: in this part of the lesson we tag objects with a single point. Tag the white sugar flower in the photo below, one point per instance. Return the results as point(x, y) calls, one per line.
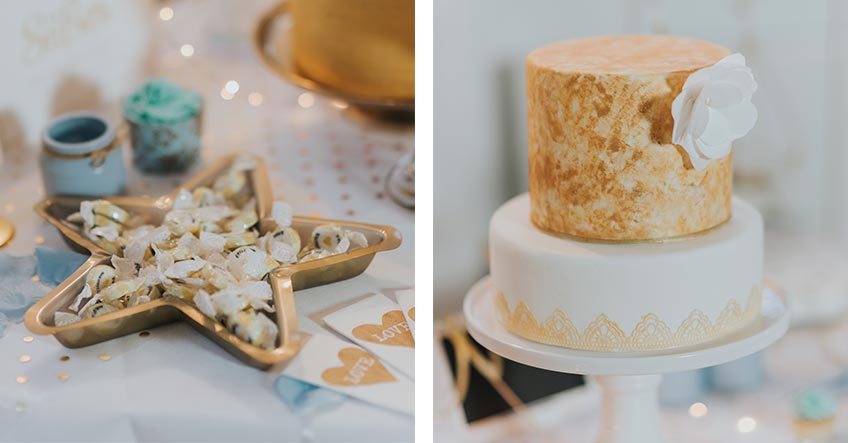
point(713, 109)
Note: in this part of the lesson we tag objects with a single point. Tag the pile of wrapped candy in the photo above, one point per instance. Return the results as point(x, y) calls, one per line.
point(207, 251)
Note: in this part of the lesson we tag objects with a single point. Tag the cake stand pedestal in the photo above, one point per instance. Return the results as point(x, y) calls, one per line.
point(628, 380)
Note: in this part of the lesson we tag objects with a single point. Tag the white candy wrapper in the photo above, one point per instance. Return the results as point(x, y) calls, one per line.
point(378, 325)
point(341, 366)
point(406, 300)
point(282, 213)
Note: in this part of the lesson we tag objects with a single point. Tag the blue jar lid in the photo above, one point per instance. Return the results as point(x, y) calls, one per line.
point(78, 133)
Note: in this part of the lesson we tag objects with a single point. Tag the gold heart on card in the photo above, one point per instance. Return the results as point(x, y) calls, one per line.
point(411, 313)
point(394, 331)
point(358, 368)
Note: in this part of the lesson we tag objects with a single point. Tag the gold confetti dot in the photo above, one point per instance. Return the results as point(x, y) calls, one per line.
point(309, 181)
point(39, 240)
point(34, 278)
point(312, 197)
point(345, 196)
point(21, 379)
point(64, 358)
point(349, 212)
point(28, 338)
point(62, 376)
point(24, 358)
point(104, 357)
point(143, 334)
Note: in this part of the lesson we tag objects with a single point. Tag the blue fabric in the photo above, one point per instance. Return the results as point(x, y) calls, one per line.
point(17, 289)
point(305, 398)
point(55, 265)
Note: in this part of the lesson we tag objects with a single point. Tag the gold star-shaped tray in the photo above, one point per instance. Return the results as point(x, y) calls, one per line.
point(284, 280)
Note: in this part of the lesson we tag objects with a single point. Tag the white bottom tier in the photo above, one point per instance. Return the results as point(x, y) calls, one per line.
point(626, 297)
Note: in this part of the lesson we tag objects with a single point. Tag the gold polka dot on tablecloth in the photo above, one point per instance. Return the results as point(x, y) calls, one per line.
point(342, 180)
point(24, 358)
point(315, 214)
point(349, 212)
point(339, 165)
point(21, 379)
point(345, 196)
point(64, 358)
point(375, 179)
point(62, 376)
point(309, 181)
point(39, 240)
point(104, 357)
point(312, 197)
point(28, 339)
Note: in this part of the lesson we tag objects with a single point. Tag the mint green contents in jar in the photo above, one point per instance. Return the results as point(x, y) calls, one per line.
point(165, 126)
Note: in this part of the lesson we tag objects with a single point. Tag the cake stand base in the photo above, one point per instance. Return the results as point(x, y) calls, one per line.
point(628, 380)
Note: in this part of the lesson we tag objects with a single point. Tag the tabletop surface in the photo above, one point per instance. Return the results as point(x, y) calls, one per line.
point(174, 384)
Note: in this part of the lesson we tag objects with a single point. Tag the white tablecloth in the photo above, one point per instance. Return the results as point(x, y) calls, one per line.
point(175, 385)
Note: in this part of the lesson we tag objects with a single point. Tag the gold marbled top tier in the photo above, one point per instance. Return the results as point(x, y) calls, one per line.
point(602, 164)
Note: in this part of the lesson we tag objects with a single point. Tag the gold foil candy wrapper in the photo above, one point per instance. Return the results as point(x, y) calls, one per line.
point(100, 277)
point(118, 290)
point(243, 221)
point(98, 309)
point(234, 241)
point(327, 237)
point(110, 211)
point(181, 221)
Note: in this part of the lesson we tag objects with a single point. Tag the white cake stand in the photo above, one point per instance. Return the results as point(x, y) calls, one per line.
point(628, 380)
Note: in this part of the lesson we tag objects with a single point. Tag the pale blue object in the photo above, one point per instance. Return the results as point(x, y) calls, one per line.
point(55, 265)
point(17, 289)
point(78, 134)
point(306, 399)
point(743, 375)
point(682, 388)
point(815, 405)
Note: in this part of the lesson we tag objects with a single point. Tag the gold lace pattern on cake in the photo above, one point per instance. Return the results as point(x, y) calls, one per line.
point(604, 334)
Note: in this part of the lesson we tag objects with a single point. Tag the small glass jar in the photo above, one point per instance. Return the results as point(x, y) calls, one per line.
point(81, 155)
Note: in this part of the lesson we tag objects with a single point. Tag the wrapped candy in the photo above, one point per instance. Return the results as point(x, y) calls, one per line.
point(206, 251)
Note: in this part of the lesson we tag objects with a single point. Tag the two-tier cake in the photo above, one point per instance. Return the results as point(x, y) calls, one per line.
point(629, 238)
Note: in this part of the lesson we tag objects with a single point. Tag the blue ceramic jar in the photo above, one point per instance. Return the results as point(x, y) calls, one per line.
point(81, 155)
